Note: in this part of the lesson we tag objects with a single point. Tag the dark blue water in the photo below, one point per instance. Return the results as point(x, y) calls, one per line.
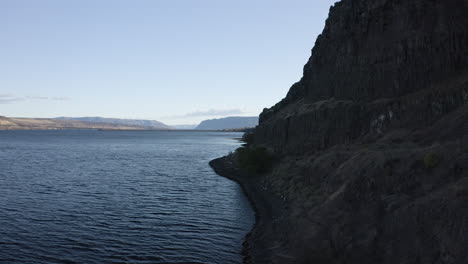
point(118, 197)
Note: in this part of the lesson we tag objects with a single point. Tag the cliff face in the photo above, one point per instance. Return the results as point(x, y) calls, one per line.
point(377, 65)
point(372, 142)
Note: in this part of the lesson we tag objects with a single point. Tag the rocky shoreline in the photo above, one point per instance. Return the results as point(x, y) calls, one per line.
point(390, 201)
point(261, 242)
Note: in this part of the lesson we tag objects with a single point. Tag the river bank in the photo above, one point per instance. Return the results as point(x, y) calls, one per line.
point(264, 241)
point(365, 202)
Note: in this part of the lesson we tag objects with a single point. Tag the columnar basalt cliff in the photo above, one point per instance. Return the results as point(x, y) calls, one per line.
point(371, 144)
point(375, 60)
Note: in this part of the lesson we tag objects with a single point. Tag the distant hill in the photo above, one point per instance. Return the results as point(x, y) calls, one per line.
point(188, 127)
point(233, 122)
point(14, 123)
point(147, 124)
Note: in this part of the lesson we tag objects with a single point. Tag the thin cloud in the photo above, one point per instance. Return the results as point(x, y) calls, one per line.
point(60, 98)
point(37, 97)
point(209, 113)
point(214, 112)
point(8, 98)
point(48, 98)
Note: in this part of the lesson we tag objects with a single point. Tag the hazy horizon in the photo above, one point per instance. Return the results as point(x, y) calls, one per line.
point(175, 62)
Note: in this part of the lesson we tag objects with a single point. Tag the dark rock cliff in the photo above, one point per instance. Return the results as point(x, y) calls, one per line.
point(372, 142)
point(377, 65)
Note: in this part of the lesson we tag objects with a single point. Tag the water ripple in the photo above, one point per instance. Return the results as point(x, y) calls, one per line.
point(118, 197)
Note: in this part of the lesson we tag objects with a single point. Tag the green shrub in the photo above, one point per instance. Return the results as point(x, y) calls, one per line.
point(254, 160)
point(430, 160)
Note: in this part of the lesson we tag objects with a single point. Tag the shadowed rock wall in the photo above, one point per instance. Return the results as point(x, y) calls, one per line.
point(377, 65)
point(372, 142)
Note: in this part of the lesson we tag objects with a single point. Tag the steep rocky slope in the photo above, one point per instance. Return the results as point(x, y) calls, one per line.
point(377, 65)
point(371, 144)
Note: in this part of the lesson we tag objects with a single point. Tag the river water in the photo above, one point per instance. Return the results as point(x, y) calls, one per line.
point(86, 196)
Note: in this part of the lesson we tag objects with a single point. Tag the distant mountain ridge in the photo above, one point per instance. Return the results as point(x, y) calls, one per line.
point(232, 122)
point(185, 127)
point(148, 124)
point(14, 123)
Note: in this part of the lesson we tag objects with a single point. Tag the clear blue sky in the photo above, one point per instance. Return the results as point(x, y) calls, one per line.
point(177, 61)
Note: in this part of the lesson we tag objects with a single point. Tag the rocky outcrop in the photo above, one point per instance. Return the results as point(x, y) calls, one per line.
point(372, 142)
point(305, 126)
point(375, 59)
